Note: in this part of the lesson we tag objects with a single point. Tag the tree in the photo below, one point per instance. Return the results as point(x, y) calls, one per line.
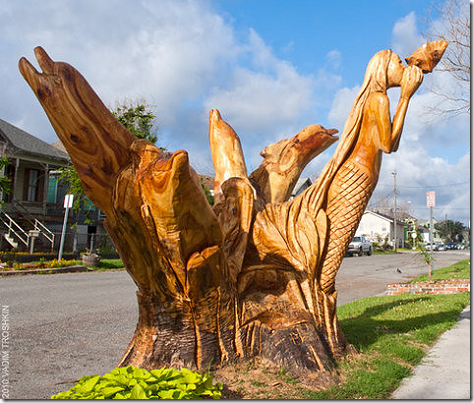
point(450, 231)
point(5, 182)
point(138, 119)
point(454, 25)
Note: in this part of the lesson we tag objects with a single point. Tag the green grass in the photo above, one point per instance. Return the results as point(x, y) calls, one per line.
point(107, 264)
point(383, 252)
point(459, 270)
point(392, 334)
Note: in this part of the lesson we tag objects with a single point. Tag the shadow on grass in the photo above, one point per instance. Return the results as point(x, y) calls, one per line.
point(365, 329)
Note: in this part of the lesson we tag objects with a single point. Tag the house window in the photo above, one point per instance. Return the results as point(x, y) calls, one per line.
point(33, 185)
point(52, 189)
point(88, 205)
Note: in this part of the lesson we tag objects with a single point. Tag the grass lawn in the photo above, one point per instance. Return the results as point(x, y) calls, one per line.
point(383, 252)
point(459, 270)
point(391, 333)
point(107, 264)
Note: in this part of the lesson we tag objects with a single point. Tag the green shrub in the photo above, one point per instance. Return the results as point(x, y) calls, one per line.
point(137, 383)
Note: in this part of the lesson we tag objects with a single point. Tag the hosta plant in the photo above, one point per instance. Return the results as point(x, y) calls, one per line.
point(137, 383)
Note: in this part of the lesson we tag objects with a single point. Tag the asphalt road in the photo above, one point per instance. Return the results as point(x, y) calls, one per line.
point(364, 276)
point(65, 326)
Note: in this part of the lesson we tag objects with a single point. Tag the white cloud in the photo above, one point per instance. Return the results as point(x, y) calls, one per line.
point(256, 101)
point(166, 52)
point(334, 57)
point(432, 153)
point(405, 36)
point(180, 56)
point(419, 172)
point(341, 107)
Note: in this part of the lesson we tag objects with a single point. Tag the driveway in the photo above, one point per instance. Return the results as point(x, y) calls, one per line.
point(64, 326)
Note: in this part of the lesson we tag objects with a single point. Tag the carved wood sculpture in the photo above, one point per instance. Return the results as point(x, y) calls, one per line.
point(255, 274)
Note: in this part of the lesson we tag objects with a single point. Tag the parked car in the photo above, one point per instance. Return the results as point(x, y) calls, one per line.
point(442, 247)
point(359, 246)
point(433, 246)
point(451, 246)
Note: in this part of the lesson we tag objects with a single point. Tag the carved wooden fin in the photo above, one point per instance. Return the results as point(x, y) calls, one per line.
point(284, 161)
point(235, 216)
point(96, 141)
point(226, 151)
point(185, 225)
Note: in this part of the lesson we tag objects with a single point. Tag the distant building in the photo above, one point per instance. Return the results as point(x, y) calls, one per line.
point(424, 230)
point(36, 199)
point(301, 185)
point(377, 227)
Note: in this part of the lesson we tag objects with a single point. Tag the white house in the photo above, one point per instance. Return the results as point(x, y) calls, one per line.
point(424, 230)
point(301, 185)
point(378, 227)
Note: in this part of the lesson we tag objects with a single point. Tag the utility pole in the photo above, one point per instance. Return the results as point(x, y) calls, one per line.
point(431, 202)
point(394, 173)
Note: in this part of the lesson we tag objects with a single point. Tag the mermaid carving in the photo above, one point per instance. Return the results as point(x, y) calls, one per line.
point(337, 200)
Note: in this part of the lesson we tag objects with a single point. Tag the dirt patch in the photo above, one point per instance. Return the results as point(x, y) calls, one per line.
point(260, 379)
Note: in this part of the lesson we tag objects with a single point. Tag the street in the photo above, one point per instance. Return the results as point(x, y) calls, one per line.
point(364, 276)
point(65, 326)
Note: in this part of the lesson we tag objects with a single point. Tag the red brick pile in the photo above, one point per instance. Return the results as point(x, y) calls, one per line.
point(429, 287)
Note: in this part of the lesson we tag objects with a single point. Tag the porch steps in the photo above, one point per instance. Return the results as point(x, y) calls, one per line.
point(16, 233)
point(11, 241)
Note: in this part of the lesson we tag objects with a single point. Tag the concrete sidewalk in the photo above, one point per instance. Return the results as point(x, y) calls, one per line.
point(445, 372)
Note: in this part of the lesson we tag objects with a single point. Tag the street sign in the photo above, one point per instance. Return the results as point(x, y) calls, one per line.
point(68, 201)
point(430, 199)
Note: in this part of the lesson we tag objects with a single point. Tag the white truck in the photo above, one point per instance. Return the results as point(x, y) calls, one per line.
point(359, 246)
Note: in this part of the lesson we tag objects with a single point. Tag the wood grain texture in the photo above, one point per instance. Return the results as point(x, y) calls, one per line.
point(284, 161)
point(255, 274)
point(226, 151)
point(427, 56)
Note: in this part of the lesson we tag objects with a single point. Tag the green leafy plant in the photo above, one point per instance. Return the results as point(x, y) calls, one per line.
point(138, 119)
point(5, 182)
point(426, 256)
point(138, 383)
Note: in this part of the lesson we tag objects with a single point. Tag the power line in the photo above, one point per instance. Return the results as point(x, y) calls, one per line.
point(425, 187)
point(423, 206)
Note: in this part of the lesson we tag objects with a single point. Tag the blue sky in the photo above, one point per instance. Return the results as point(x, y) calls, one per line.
point(271, 67)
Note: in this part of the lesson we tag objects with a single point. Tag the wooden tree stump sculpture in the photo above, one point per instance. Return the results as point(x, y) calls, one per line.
point(255, 274)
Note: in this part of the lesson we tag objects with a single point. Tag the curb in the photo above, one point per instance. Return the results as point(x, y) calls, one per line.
point(68, 269)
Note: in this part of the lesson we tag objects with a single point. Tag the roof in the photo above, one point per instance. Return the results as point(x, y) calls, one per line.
point(59, 145)
point(384, 216)
point(300, 184)
point(19, 141)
